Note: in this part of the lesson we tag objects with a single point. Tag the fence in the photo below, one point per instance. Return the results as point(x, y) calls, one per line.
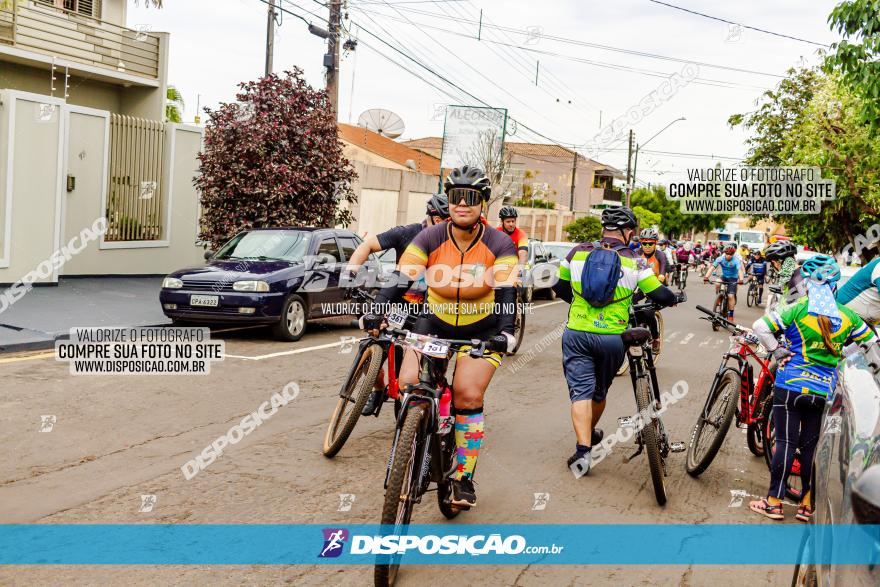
point(135, 206)
point(71, 35)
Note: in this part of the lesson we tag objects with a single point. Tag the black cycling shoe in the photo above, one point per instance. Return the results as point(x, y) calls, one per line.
point(596, 437)
point(463, 494)
point(373, 402)
point(580, 463)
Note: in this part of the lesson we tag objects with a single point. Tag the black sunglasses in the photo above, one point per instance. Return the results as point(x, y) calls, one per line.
point(470, 196)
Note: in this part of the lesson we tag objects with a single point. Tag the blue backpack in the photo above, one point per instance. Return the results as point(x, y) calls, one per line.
point(599, 278)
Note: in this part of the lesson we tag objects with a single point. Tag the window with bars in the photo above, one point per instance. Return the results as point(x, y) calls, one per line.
point(90, 8)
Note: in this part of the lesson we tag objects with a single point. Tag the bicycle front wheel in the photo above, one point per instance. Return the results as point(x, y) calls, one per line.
point(519, 327)
point(401, 493)
point(660, 331)
point(651, 435)
point(710, 430)
point(352, 399)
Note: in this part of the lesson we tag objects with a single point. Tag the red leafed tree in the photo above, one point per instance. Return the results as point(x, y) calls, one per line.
point(272, 159)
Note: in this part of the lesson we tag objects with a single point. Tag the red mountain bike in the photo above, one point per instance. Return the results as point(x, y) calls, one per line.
point(755, 397)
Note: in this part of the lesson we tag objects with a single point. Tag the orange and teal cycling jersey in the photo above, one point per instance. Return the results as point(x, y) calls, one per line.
point(460, 283)
point(519, 238)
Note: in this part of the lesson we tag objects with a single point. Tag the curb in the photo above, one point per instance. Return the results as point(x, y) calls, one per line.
point(49, 343)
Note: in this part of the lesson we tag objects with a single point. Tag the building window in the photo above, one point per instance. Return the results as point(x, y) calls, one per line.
point(91, 8)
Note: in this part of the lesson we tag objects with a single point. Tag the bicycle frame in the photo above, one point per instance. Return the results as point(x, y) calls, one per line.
point(745, 415)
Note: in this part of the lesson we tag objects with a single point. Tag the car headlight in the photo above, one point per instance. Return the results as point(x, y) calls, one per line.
point(255, 286)
point(171, 283)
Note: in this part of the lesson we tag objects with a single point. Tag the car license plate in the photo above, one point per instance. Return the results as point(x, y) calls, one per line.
point(207, 301)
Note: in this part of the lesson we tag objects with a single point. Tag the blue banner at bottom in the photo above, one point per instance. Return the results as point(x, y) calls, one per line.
point(194, 544)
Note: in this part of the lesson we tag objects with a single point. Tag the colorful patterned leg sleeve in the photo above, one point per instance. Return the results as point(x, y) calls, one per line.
point(468, 438)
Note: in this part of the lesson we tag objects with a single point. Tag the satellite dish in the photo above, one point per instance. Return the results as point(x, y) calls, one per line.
point(385, 122)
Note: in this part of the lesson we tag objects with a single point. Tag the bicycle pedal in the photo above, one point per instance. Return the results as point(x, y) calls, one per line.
point(677, 447)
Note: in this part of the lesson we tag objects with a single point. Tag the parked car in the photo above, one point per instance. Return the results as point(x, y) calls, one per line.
point(281, 277)
point(559, 249)
point(847, 475)
point(542, 271)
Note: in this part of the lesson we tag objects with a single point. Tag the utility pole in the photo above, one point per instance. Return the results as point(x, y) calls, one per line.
point(270, 37)
point(574, 166)
point(331, 59)
point(635, 165)
point(629, 154)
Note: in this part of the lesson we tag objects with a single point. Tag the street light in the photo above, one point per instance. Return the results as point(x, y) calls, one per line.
point(636, 161)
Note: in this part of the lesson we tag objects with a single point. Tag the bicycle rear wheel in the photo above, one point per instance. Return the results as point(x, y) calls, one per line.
point(401, 492)
point(684, 278)
point(352, 399)
point(754, 434)
point(709, 431)
point(651, 435)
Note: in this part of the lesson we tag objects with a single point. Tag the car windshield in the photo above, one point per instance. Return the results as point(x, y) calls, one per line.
point(559, 251)
point(266, 245)
point(751, 237)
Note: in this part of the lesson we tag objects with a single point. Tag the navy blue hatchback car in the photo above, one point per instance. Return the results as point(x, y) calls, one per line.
point(281, 277)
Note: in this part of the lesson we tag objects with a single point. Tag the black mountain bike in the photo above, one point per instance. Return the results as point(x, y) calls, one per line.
point(423, 450)
point(372, 353)
point(755, 293)
point(650, 432)
point(721, 305)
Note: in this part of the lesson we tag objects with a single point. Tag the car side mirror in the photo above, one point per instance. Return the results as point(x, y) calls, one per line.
point(865, 496)
point(209, 255)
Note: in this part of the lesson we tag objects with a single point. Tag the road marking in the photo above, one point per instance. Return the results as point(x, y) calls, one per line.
point(291, 352)
point(671, 336)
point(28, 358)
point(706, 341)
point(687, 338)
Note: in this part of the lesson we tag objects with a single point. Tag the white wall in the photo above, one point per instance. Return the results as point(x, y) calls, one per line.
point(378, 209)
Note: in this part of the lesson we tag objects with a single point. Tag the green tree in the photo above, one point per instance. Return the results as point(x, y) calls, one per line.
point(646, 217)
point(588, 228)
point(813, 119)
point(673, 223)
point(857, 57)
point(173, 105)
point(833, 137)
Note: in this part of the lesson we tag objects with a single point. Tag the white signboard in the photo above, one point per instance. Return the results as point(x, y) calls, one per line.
point(465, 127)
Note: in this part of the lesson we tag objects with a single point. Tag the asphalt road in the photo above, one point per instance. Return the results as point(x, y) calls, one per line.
point(116, 439)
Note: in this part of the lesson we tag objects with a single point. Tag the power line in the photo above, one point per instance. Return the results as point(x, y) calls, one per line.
point(596, 45)
point(745, 26)
point(602, 64)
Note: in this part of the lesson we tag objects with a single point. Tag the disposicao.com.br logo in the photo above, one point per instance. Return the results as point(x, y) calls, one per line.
point(448, 544)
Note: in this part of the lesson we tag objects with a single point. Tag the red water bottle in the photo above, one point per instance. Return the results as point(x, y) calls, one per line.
point(445, 400)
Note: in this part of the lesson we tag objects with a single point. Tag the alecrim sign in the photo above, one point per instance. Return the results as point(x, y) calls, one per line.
point(463, 129)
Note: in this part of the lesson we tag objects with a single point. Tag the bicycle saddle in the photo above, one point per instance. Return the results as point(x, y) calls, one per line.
point(775, 289)
point(635, 336)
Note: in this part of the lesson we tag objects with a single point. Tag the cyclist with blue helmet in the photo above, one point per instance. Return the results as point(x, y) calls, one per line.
point(818, 328)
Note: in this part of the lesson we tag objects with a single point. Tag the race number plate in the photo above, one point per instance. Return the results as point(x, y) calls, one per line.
point(397, 318)
point(206, 301)
point(436, 348)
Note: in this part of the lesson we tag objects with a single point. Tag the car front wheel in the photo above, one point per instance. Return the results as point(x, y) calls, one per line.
point(292, 324)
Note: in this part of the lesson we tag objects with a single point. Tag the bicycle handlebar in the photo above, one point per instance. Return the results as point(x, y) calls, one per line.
point(478, 347)
point(721, 321)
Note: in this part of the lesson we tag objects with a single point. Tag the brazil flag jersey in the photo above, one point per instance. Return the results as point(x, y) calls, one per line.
point(813, 368)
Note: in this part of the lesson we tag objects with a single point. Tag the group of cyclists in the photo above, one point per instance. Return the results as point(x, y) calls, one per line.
point(600, 280)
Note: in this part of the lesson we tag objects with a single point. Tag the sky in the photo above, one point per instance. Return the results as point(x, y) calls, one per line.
point(601, 67)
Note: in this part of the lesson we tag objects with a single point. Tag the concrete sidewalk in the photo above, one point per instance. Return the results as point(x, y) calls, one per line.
point(44, 314)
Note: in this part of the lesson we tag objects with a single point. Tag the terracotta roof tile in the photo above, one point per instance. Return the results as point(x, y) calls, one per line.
point(389, 149)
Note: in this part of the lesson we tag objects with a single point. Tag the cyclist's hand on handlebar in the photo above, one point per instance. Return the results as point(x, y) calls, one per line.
point(373, 323)
point(501, 342)
point(680, 297)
